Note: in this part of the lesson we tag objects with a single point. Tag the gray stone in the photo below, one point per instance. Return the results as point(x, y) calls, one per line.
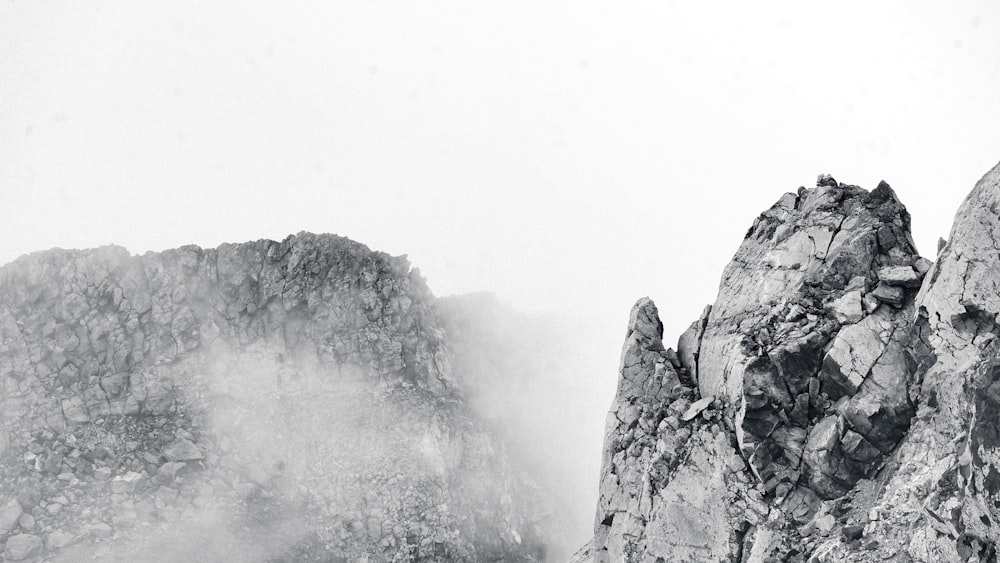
point(825, 524)
point(22, 546)
point(899, 275)
point(167, 472)
point(96, 530)
point(165, 496)
point(58, 539)
point(848, 308)
point(10, 513)
point(183, 450)
point(853, 532)
point(696, 408)
point(689, 345)
point(820, 457)
point(26, 521)
point(922, 266)
point(889, 294)
point(125, 519)
point(125, 484)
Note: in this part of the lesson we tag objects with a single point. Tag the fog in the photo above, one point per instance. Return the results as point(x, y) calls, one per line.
point(308, 462)
point(294, 399)
point(568, 158)
point(526, 375)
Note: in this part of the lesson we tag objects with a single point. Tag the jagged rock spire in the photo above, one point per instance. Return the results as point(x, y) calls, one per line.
point(850, 394)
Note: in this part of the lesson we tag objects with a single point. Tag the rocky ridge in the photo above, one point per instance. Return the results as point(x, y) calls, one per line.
point(266, 401)
point(836, 403)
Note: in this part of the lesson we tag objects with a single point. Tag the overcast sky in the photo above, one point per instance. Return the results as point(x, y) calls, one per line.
point(560, 154)
point(570, 157)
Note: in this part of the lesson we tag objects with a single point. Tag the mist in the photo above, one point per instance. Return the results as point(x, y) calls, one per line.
point(568, 159)
point(531, 378)
point(295, 399)
point(293, 462)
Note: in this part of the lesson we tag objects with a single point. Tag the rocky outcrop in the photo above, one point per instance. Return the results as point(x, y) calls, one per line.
point(660, 476)
point(808, 340)
point(296, 397)
point(938, 500)
point(842, 390)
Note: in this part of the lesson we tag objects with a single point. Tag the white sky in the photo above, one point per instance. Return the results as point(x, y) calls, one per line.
point(569, 157)
point(559, 154)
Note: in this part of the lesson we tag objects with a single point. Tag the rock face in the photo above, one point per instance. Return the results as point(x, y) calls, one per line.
point(285, 401)
point(659, 477)
point(838, 401)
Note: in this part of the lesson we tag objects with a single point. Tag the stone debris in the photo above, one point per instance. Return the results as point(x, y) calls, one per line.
point(696, 408)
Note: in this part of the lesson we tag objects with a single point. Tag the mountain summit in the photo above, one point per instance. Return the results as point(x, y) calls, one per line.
point(837, 402)
point(266, 401)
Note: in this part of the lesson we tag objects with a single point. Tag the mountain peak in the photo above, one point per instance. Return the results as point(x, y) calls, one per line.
point(841, 385)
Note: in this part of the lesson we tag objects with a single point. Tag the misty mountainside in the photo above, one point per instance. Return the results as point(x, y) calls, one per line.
point(526, 376)
point(267, 401)
point(840, 400)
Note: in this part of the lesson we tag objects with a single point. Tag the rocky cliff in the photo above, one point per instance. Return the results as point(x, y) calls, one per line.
point(838, 401)
point(267, 401)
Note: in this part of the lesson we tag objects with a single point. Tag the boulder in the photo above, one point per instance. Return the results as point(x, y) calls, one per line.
point(904, 276)
point(696, 408)
point(22, 546)
point(183, 449)
point(166, 473)
point(96, 530)
point(10, 514)
point(58, 539)
point(848, 309)
point(891, 294)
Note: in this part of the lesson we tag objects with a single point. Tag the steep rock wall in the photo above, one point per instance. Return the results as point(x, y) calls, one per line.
point(839, 395)
point(938, 500)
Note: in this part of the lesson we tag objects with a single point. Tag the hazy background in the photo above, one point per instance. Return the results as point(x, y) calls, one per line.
point(569, 157)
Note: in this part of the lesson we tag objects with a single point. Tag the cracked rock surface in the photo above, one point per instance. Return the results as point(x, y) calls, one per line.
point(848, 395)
point(266, 401)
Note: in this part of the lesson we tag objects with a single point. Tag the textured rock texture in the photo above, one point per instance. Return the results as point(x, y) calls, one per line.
point(267, 401)
point(838, 402)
